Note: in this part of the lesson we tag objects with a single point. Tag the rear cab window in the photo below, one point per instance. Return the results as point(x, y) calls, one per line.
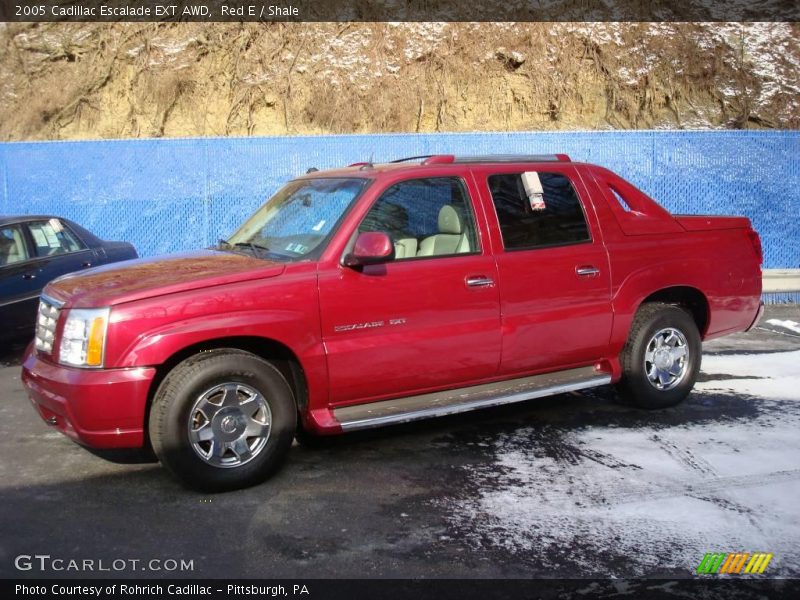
point(537, 209)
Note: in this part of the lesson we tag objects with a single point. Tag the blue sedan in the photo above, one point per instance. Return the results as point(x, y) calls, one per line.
point(35, 250)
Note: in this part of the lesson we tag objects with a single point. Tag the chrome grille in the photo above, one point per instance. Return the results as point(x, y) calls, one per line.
point(46, 324)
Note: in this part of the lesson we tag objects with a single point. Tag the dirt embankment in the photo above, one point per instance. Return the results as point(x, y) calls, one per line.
point(65, 81)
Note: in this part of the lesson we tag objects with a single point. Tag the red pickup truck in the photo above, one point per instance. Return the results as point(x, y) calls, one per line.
point(385, 293)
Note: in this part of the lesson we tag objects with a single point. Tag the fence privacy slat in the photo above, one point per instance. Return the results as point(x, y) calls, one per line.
point(166, 195)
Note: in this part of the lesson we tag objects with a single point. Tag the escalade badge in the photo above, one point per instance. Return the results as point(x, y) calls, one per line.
point(367, 325)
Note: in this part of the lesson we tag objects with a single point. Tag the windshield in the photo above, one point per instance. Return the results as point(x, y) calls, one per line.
point(296, 220)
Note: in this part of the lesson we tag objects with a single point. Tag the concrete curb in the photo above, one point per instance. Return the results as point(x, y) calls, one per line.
point(777, 281)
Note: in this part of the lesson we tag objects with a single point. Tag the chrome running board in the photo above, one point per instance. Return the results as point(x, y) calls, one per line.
point(448, 402)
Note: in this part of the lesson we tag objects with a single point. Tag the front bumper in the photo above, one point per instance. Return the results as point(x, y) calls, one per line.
point(99, 408)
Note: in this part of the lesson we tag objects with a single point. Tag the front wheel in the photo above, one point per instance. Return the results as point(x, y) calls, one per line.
point(222, 420)
point(661, 358)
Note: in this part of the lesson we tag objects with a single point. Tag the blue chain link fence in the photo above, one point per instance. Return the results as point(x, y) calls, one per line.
point(166, 195)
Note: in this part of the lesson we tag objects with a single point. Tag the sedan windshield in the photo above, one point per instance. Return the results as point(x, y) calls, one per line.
point(296, 220)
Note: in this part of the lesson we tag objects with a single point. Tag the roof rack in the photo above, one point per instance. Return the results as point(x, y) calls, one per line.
point(513, 158)
point(441, 159)
point(362, 165)
point(446, 159)
point(410, 158)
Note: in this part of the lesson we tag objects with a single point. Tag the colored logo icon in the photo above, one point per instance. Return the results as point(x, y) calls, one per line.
point(733, 563)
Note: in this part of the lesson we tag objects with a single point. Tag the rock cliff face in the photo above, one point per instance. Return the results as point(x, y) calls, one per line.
point(66, 81)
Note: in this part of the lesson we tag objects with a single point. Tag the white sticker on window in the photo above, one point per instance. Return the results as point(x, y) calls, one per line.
point(319, 225)
point(52, 239)
point(38, 237)
point(296, 248)
point(534, 190)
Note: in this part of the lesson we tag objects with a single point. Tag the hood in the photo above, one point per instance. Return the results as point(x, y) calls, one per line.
point(132, 280)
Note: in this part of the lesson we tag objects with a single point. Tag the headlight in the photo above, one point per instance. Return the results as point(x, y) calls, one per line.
point(83, 337)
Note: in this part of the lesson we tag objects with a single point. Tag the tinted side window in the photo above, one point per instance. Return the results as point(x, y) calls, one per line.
point(425, 217)
point(537, 209)
point(12, 245)
point(52, 237)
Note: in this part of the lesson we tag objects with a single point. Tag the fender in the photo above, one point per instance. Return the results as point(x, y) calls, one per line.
point(155, 346)
point(645, 282)
point(290, 329)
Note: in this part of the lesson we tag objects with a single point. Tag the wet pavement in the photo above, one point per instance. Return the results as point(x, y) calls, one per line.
point(572, 486)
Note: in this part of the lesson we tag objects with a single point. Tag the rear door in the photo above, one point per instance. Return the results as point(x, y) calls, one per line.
point(57, 249)
point(553, 268)
point(430, 318)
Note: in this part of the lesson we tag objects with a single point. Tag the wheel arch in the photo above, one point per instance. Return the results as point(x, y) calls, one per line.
point(279, 354)
point(690, 298)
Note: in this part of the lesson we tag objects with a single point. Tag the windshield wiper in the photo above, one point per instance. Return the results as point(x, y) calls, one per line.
point(256, 249)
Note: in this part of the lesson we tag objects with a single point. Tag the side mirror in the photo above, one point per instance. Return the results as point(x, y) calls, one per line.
point(371, 248)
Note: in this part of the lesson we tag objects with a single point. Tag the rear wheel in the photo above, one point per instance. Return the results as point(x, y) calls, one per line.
point(661, 358)
point(222, 420)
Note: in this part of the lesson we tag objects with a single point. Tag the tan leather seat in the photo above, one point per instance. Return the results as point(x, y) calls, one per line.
point(11, 249)
point(451, 239)
point(405, 248)
point(5, 250)
point(392, 219)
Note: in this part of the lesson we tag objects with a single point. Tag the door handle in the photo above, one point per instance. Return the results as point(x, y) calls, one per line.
point(86, 264)
point(587, 271)
point(479, 281)
point(29, 276)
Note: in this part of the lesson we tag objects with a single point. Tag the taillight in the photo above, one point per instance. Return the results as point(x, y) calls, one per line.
point(756, 241)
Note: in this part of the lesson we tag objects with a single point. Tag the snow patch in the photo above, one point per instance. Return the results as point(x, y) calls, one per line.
point(787, 324)
point(627, 501)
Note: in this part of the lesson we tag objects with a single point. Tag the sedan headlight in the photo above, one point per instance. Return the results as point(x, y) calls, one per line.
point(83, 338)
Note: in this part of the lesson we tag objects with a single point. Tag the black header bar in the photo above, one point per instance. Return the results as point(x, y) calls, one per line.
point(397, 10)
point(711, 587)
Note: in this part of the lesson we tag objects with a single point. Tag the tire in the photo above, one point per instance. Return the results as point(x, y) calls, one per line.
point(661, 358)
point(223, 420)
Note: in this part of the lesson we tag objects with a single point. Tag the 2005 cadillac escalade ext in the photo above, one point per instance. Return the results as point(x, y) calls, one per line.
point(385, 293)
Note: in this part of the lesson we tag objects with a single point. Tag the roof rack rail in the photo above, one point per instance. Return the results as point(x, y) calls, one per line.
point(428, 159)
point(439, 159)
point(446, 159)
point(512, 158)
point(362, 165)
point(410, 158)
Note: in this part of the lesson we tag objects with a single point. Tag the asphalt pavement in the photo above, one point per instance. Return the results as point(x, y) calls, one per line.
point(575, 485)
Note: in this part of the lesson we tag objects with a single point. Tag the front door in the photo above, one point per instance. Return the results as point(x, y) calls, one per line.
point(19, 285)
point(429, 318)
